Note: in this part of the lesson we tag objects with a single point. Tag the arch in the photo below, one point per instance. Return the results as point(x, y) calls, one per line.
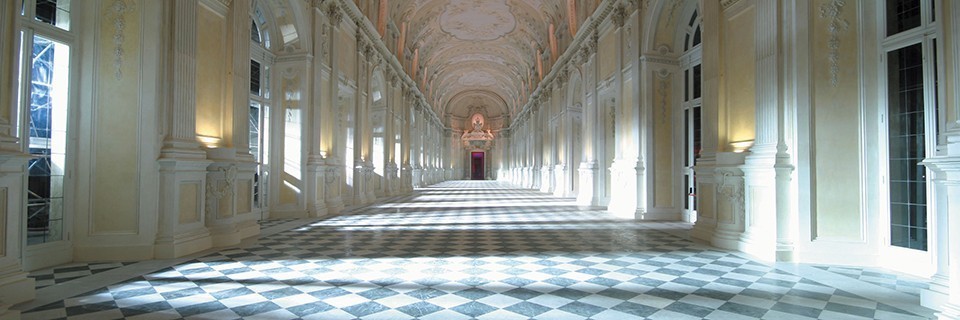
point(687, 25)
point(283, 21)
point(459, 99)
point(661, 27)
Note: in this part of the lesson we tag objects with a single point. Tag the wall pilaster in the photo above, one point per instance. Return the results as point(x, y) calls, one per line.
point(183, 165)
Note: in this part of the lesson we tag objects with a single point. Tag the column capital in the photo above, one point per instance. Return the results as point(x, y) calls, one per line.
point(619, 16)
point(335, 14)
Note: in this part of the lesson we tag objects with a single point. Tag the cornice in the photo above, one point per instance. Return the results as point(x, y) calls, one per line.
point(726, 4)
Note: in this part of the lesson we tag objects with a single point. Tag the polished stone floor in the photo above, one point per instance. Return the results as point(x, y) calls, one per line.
point(476, 249)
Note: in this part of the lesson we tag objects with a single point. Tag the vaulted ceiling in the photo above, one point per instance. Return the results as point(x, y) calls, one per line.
point(478, 52)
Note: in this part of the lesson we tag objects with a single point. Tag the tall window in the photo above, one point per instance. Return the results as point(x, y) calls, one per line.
point(259, 115)
point(910, 59)
point(44, 98)
point(692, 128)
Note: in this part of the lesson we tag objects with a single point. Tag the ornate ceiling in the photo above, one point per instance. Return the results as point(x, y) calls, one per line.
point(477, 51)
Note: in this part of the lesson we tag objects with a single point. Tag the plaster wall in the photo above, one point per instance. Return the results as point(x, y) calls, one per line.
point(211, 72)
point(738, 74)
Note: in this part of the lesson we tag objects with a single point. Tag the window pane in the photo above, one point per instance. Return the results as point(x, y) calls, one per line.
point(696, 81)
point(933, 10)
point(936, 92)
point(49, 74)
point(254, 32)
point(902, 15)
point(687, 129)
point(696, 37)
point(54, 12)
point(254, 78)
point(906, 134)
point(697, 134)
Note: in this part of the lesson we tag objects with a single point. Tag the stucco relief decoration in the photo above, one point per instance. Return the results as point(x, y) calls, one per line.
point(214, 193)
point(119, 8)
point(731, 186)
point(462, 20)
point(664, 76)
point(832, 11)
point(335, 15)
point(477, 138)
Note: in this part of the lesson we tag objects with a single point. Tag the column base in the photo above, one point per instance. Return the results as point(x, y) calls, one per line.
point(560, 182)
point(15, 287)
point(588, 186)
point(938, 294)
point(183, 244)
point(546, 175)
point(625, 197)
point(949, 311)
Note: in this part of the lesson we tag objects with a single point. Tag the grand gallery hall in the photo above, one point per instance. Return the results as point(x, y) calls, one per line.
point(479, 159)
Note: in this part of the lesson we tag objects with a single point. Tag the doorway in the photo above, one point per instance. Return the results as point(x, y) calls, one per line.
point(476, 166)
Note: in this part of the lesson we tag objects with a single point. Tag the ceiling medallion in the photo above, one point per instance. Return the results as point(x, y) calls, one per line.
point(475, 20)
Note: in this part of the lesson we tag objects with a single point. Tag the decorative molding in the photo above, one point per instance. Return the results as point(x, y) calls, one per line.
point(726, 4)
point(664, 76)
point(731, 186)
point(833, 12)
point(594, 41)
point(619, 16)
point(214, 193)
point(584, 55)
point(660, 60)
point(119, 7)
point(334, 13)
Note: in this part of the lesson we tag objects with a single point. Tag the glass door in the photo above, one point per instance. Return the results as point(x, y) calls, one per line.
point(44, 101)
point(910, 123)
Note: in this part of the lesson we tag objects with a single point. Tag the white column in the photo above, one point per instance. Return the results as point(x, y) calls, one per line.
point(768, 227)
point(590, 183)
point(183, 165)
point(331, 166)
point(314, 173)
point(704, 167)
point(627, 199)
point(389, 139)
point(15, 286)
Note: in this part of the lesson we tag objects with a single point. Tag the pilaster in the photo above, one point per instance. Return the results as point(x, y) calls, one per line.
point(588, 177)
point(183, 165)
point(15, 286)
point(9, 68)
point(946, 169)
point(228, 199)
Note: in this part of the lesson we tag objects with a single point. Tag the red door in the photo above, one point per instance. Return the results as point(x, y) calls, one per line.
point(476, 166)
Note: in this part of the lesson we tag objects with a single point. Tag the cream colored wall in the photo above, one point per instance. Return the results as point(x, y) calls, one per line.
point(607, 54)
point(9, 61)
point(290, 170)
point(836, 135)
point(738, 76)
point(347, 54)
point(663, 141)
point(115, 189)
point(189, 202)
point(951, 102)
point(211, 76)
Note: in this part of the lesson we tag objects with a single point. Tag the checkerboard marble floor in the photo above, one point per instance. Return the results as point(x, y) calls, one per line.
point(475, 250)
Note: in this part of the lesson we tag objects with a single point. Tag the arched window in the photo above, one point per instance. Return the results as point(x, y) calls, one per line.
point(691, 102)
point(261, 62)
